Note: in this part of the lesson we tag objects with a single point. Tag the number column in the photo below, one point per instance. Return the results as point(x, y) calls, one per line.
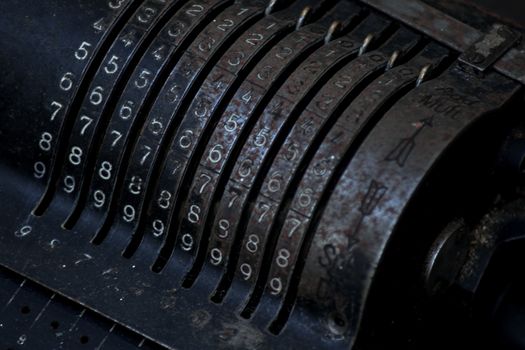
point(50, 74)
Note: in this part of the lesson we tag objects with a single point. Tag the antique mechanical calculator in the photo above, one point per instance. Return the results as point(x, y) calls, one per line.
point(262, 174)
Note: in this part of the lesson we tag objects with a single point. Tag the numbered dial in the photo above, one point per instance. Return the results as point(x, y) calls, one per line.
point(132, 108)
point(277, 116)
point(92, 117)
point(260, 84)
point(293, 156)
point(62, 101)
point(202, 111)
point(197, 114)
point(159, 121)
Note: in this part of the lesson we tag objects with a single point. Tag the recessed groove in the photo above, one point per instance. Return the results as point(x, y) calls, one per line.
point(74, 108)
point(191, 276)
point(134, 244)
point(143, 114)
point(169, 244)
point(220, 290)
point(107, 113)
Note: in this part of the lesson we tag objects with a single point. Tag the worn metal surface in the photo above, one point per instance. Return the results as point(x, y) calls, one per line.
point(236, 120)
point(449, 31)
point(366, 202)
point(490, 47)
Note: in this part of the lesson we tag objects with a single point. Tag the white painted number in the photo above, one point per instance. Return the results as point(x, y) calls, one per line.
point(215, 155)
point(129, 213)
point(164, 199)
point(146, 15)
point(39, 170)
point(187, 242)
point(143, 80)
point(158, 228)
point(112, 65)
point(227, 23)
point(194, 214)
point(216, 256)
point(186, 139)
point(126, 110)
point(118, 136)
point(283, 258)
point(253, 243)
point(75, 157)
point(246, 271)
point(194, 10)
point(23, 231)
point(45, 141)
point(207, 179)
point(224, 226)
point(83, 51)
point(66, 83)
point(231, 124)
point(100, 198)
point(146, 154)
point(69, 184)
point(135, 186)
point(276, 285)
point(57, 108)
point(116, 4)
